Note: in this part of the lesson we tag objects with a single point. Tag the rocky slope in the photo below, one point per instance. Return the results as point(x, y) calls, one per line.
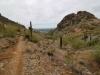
point(5, 22)
point(78, 23)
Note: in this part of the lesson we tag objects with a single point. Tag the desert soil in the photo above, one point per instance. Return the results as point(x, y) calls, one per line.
point(27, 58)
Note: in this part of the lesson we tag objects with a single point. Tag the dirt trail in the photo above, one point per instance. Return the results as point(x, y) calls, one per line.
point(16, 62)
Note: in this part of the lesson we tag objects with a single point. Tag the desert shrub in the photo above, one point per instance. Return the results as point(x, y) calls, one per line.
point(78, 44)
point(35, 39)
point(97, 32)
point(74, 41)
point(51, 37)
point(51, 52)
point(9, 32)
point(89, 27)
point(93, 42)
point(68, 58)
point(96, 53)
point(26, 35)
point(69, 39)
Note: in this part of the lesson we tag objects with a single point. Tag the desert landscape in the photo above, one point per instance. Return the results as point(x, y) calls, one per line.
point(72, 48)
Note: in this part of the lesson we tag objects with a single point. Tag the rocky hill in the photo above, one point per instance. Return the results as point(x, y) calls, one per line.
point(5, 22)
point(79, 22)
point(9, 28)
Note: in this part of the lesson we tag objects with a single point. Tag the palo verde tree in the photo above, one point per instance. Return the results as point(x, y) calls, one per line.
point(30, 28)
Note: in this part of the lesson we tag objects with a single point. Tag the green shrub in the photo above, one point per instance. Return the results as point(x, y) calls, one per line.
point(68, 58)
point(51, 37)
point(93, 42)
point(51, 52)
point(97, 32)
point(35, 39)
point(78, 44)
point(69, 39)
point(74, 42)
point(8, 32)
point(89, 27)
point(96, 53)
point(26, 35)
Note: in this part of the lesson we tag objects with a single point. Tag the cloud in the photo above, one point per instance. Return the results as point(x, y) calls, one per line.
point(45, 13)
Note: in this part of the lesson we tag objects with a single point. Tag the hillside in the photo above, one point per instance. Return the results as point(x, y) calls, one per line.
point(8, 23)
point(9, 27)
point(79, 22)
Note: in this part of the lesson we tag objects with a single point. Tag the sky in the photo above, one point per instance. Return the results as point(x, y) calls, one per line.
point(45, 13)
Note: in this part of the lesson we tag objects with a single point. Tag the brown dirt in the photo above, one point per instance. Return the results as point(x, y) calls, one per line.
point(13, 58)
point(17, 59)
point(27, 58)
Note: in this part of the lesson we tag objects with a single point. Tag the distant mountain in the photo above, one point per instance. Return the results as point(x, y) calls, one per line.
point(78, 23)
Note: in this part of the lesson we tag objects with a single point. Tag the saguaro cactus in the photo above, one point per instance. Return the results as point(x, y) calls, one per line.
point(61, 42)
point(30, 28)
point(85, 35)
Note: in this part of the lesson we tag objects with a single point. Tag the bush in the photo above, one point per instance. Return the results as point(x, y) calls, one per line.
point(74, 42)
point(93, 42)
point(51, 52)
point(77, 44)
point(8, 32)
point(89, 27)
point(68, 58)
point(96, 53)
point(35, 39)
point(69, 39)
point(51, 37)
point(26, 35)
point(97, 32)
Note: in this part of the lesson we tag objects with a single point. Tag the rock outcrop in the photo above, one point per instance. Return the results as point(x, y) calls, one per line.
point(72, 21)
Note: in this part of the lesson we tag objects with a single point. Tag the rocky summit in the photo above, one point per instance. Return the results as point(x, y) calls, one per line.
point(80, 20)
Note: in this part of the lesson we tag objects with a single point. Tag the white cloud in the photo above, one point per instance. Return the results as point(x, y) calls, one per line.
point(45, 13)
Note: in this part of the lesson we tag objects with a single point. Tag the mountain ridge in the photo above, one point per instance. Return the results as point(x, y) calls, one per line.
point(82, 20)
point(8, 23)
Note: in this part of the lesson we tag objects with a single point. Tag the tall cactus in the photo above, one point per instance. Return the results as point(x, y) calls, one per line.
point(90, 37)
point(61, 42)
point(85, 35)
point(30, 28)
